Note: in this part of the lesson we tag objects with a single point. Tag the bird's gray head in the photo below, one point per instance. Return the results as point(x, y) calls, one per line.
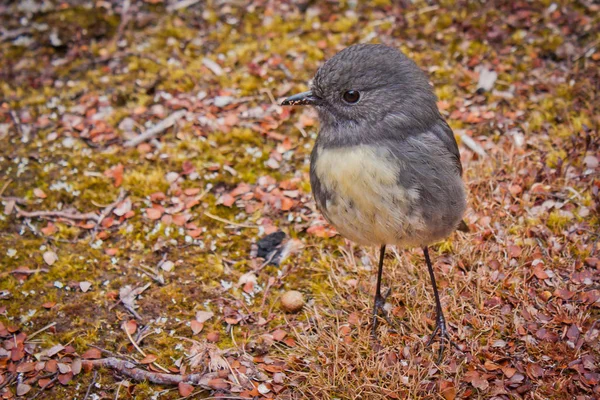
point(370, 84)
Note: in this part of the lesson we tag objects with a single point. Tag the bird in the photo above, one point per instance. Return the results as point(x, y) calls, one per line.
point(385, 168)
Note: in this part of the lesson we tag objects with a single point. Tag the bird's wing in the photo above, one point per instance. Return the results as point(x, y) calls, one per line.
point(443, 131)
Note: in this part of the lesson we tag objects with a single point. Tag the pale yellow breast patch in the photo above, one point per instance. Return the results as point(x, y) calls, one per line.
point(367, 204)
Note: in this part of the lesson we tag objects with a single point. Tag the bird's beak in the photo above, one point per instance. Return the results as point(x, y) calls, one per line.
point(301, 99)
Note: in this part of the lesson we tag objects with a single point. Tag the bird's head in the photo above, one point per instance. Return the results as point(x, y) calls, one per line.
point(370, 84)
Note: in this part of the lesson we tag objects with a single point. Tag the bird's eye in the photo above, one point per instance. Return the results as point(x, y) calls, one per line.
point(351, 96)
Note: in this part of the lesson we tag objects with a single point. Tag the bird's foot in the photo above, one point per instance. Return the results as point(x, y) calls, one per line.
point(440, 327)
point(379, 311)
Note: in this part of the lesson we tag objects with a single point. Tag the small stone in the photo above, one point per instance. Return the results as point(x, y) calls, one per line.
point(292, 301)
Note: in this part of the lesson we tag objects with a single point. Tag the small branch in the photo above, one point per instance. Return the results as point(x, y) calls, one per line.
point(470, 143)
point(17, 200)
point(156, 129)
point(182, 4)
point(106, 212)
point(129, 369)
point(57, 214)
point(139, 349)
point(212, 216)
point(124, 20)
point(40, 331)
point(89, 389)
point(52, 381)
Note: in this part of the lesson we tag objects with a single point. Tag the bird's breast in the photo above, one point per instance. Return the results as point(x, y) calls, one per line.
point(358, 191)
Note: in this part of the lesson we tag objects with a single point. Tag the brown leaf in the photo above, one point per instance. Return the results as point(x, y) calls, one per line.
point(279, 334)
point(116, 173)
point(564, 294)
point(153, 213)
point(185, 389)
point(44, 382)
point(514, 251)
point(213, 337)
point(353, 318)
point(539, 272)
point(448, 390)
point(26, 367)
point(196, 326)
point(49, 229)
point(227, 200)
point(203, 316)
point(129, 326)
point(273, 368)
point(22, 389)
point(39, 193)
point(573, 333)
point(65, 378)
point(534, 371)
point(52, 365)
point(76, 366)
point(218, 383)
point(150, 358)
point(92, 354)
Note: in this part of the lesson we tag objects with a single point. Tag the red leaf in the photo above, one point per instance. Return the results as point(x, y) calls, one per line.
point(279, 334)
point(185, 389)
point(447, 390)
point(196, 326)
point(218, 383)
point(150, 358)
point(130, 326)
point(92, 354)
point(153, 213)
point(65, 378)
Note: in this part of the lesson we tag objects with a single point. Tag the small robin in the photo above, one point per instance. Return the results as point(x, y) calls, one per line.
point(385, 168)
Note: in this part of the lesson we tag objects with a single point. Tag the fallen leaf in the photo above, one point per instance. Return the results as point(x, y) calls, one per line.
point(150, 358)
point(279, 334)
point(203, 316)
point(185, 389)
point(22, 389)
point(448, 390)
point(39, 193)
point(92, 354)
point(153, 213)
point(130, 326)
point(85, 286)
point(196, 326)
point(50, 257)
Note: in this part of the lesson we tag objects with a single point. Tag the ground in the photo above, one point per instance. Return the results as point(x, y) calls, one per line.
point(128, 264)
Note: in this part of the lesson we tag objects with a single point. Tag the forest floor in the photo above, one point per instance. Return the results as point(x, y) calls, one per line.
point(132, 268)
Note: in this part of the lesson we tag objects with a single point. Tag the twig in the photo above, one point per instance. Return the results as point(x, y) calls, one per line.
point(57, 214)
point(106, 212)
point(17, 121)
point(586, 49)
point(124, 20)
point(182, 4)
point(89, 389)
point(139, 349)
point(13, 34)
point(8, 182)
point(17, 200)
point(53, 380)
point(212, 216)
point(156, 129)
point(129, 369)
point(41, 330)
point(470, 143)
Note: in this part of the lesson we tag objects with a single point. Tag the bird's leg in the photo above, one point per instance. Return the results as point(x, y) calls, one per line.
point(440, 321)
point(379, 299)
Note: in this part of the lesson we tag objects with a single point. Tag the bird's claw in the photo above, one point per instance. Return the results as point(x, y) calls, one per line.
point(379, 311)
point(440, 327)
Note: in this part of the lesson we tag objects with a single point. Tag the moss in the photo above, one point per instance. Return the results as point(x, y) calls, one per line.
point(557, 221)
